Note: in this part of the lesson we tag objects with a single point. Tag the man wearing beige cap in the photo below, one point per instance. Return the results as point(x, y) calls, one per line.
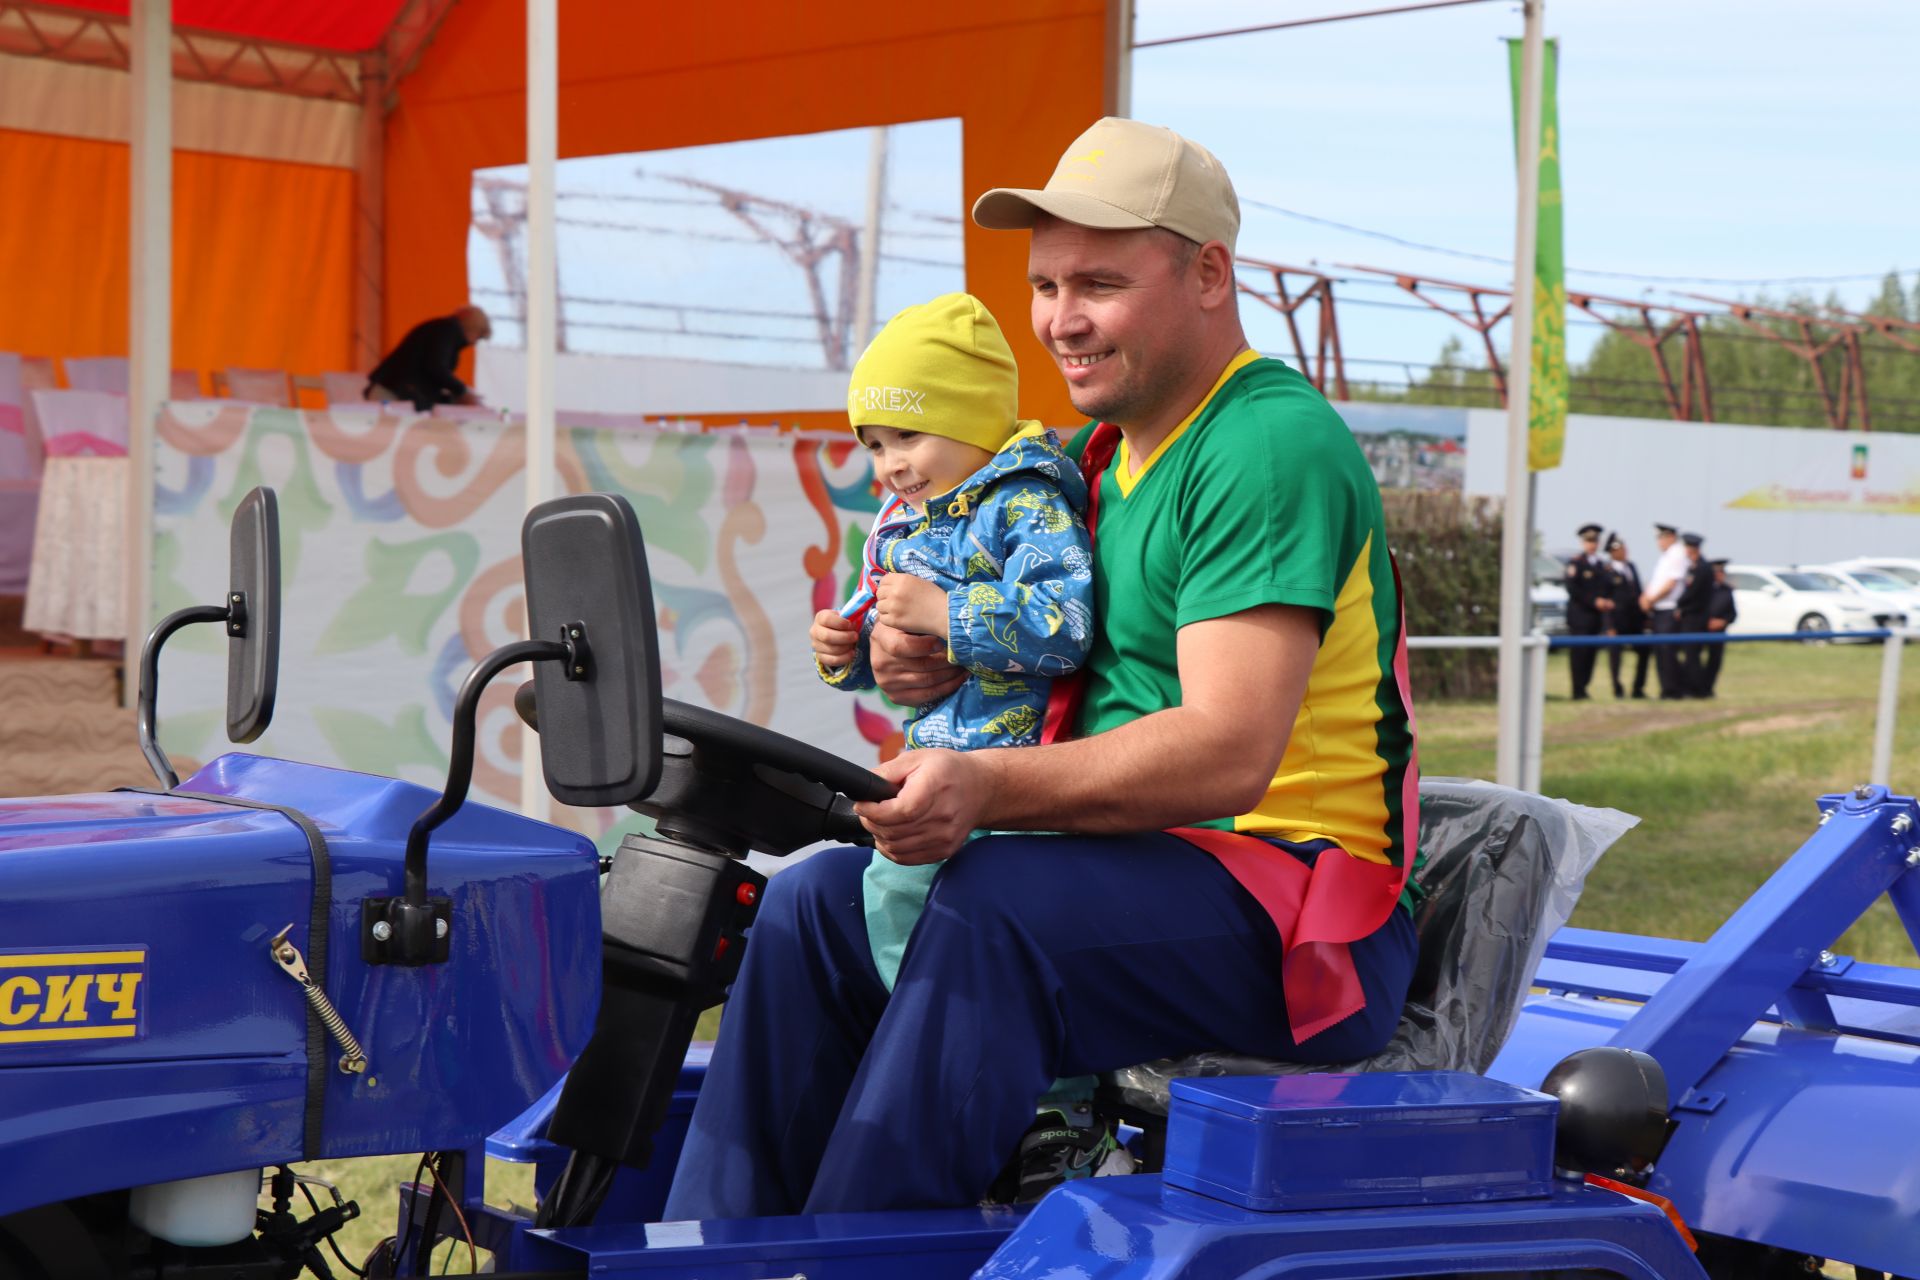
point(1235, 770)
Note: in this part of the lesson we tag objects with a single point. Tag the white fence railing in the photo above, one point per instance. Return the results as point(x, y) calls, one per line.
point(1537, 644)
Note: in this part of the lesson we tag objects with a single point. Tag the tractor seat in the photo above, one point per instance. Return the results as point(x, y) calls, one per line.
point(1503, 870)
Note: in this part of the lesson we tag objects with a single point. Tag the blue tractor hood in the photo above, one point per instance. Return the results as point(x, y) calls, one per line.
point(146, 1033)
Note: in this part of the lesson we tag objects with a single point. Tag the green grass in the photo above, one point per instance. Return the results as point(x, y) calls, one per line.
point(1724, 790)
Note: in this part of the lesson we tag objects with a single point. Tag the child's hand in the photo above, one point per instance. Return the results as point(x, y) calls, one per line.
point(911, 604)
point(835, 639)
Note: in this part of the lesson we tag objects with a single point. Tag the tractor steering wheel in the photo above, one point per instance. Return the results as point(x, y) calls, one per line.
point(711, 730)
point(734, 786)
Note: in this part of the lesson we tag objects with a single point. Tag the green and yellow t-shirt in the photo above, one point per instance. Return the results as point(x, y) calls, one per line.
point(1261, 497)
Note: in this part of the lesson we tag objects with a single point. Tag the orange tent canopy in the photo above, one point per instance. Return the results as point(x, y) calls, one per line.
point(265, 248)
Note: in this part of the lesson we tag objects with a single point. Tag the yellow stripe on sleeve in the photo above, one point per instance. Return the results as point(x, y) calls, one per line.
point(1320, 791)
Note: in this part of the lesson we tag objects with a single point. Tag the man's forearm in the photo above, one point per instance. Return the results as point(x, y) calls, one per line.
point(1168, 769)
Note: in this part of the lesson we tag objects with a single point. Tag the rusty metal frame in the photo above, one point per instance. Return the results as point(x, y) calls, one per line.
point(1889, 327)
point(1478, 318)
point(505, 224)
point(94, 39)
point(1326, 357)
point(91, 39)
point(815, 237)
point(1840, 402)
point(1692, 400)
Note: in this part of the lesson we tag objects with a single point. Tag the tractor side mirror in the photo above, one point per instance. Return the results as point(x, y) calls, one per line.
point(586, 572)
point(253, 638)
point(597, 686)
point(251, 615)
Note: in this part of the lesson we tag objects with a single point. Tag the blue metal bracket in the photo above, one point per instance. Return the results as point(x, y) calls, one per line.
point(1753, 961)
point(1906, 895)
point(1808, 1010)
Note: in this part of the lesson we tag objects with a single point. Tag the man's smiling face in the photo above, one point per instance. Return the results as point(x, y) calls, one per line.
point(1119, 312)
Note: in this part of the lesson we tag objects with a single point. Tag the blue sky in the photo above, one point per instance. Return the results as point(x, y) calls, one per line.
point(1750, 139)
point(1744, 139)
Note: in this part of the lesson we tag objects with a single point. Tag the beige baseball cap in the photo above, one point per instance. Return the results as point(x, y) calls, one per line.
point(1123, 175)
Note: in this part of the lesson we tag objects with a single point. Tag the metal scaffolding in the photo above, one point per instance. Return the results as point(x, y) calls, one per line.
point(1831, 342)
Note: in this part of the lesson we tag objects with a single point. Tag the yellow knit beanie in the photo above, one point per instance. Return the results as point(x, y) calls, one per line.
point(942, 367)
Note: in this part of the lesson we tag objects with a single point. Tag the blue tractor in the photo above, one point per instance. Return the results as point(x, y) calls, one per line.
point(271, 962)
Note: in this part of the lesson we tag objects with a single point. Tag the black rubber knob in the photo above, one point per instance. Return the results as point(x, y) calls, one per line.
point(1613, 1109)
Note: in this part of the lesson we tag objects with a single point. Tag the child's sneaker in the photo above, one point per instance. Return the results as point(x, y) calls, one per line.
point(1063, 1143)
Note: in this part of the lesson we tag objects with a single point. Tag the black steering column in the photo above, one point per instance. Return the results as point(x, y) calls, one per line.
point(675, 910)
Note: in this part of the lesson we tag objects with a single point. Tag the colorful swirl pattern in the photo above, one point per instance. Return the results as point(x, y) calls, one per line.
point(400, 568)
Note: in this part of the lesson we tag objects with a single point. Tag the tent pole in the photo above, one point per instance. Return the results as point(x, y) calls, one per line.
point(1516, 538)
point(369, 222)
point(1118, 99)
point(543, 145)
point(150, 300)
point(865, 301)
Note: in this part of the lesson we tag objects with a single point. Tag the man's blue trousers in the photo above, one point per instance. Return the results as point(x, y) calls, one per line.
point(1038, 957)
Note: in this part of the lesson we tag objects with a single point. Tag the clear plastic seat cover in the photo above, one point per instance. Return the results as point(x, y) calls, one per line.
point(1503, 871)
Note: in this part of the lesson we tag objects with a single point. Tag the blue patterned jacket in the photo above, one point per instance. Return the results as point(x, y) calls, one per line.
point(1010, 548)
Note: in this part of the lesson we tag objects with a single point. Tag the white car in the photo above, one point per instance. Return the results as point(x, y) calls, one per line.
point(1772, 599)
point(1908, 571)
point(1879, 587)
point(1548, 597)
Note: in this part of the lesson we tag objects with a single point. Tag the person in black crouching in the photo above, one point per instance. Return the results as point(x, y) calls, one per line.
point(421, 368)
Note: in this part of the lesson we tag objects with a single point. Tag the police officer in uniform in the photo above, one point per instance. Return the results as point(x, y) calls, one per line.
point(1628, 618)
point(1721, 614)
point(1589, 601)
point(1669, 577)
point(1696, 601)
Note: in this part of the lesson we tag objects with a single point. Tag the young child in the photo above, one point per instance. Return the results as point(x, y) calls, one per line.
point(981, 542)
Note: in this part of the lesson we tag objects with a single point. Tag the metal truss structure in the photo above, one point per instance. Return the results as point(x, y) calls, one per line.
point(208, 57)
point(1902, 333)
point(92, 39)
point(1326, 367)
point(814, 237)
point(406, 41)
point(1842, 398)
point(1477, 313)
point(1692, 399)
point(1657, 327)
point(504, 223)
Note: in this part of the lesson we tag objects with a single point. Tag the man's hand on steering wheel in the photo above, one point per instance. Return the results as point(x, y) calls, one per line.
point(910, 669)
point(942, 796)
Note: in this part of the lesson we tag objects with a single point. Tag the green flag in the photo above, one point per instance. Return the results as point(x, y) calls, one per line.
point(1547, 407)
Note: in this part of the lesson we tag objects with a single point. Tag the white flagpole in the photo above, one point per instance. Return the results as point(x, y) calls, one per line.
point(149, 301)
point(543, 148)
point(1516, 539)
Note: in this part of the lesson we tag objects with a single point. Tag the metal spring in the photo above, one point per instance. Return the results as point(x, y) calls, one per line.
point(354, 1060)
point(294, 965)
